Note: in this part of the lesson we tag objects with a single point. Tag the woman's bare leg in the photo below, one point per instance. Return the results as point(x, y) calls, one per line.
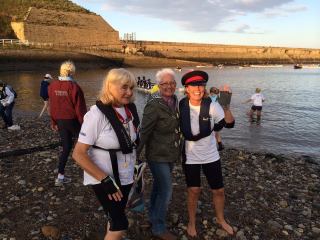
point(193, 196)
point(218, 202)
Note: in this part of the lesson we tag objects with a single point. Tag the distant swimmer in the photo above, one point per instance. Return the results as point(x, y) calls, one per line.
point(257, 99)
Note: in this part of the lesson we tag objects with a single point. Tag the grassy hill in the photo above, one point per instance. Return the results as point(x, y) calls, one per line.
point(16, 10)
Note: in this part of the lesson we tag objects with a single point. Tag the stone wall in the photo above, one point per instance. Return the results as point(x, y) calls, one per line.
point(228, 54)
point(57, 27)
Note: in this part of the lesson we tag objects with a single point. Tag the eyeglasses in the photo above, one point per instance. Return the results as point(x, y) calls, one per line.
point(171, 84)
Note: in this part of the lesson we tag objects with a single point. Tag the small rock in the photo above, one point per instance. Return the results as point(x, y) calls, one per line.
point(175, 218)
point(274, 225)
point(240, 235)
point(22, 182)
point(285, 232)
point(50, 231)
point(184, 237)
point(283, 204)
point(288, 227)
point(221, 233)
point(316, 230)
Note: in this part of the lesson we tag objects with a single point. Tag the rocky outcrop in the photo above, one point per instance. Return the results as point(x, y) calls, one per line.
point(45, 26)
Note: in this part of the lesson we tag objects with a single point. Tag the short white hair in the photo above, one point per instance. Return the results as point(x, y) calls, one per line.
point(161, 73)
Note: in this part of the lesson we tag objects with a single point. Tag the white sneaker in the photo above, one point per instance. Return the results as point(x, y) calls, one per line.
point(14, 127)
point(59, 182)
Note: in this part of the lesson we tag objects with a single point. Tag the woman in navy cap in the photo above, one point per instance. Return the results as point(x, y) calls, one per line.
point(199, 118)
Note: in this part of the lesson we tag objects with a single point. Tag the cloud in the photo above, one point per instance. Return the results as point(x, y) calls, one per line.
point(242, 28)
point(283, 11)
point(201, 15)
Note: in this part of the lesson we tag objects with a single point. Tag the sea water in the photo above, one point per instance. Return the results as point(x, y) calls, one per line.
point(290, 115)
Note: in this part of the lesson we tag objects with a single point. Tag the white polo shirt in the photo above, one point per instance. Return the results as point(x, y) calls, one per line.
point(204, 150)
point(96, 130)
point(257, 99)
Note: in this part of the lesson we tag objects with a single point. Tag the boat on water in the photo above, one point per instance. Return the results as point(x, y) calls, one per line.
point(300, 66)
point(179, 69)
point(297, 66)
point(204, 66)
point(266, 66)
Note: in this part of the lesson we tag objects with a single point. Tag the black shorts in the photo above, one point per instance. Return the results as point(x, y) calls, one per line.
point(258, 108)
point(212, 171)
point(115, 211)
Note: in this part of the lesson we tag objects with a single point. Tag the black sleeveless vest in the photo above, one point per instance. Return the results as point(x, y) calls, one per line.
point(125, 142)
point(204, 119)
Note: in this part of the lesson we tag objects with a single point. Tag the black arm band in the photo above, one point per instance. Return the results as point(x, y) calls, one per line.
point(218, 126)
point(230, 125)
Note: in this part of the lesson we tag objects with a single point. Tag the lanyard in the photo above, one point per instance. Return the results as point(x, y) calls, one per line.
point(120, 117)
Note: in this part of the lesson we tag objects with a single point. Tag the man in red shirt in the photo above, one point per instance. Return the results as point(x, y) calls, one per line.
point(67, 109)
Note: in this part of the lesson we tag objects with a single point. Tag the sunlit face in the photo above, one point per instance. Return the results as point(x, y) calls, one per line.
point(122, 93)
point(195, 93)
point(167, 86)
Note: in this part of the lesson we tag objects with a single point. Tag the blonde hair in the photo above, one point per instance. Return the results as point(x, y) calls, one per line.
point(67, 69)
point(258, 90)
point(117, 76)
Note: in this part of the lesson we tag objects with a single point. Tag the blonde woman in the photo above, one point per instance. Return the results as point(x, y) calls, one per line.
point(106, 148)
point(67, 108)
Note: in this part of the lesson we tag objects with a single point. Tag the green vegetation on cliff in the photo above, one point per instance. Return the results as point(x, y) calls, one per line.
point(17, 9)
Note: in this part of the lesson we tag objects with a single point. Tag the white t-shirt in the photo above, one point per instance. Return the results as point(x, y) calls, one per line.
point(97, 130)
point(204, 150)
point(257, 99)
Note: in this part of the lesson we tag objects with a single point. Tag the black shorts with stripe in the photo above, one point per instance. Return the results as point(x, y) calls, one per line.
point(212, 171)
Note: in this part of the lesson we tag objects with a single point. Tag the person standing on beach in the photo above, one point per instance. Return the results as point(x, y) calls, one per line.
point(214, 95)
point(44, 93)
point(199, 117)
point(67, 108)
point(160, 134)
point(106, 148)
point(257, 99)
point(7, 96)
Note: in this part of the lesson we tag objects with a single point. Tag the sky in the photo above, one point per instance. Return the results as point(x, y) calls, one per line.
point(277, 23)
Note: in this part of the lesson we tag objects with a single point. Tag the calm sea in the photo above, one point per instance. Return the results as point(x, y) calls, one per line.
point(291, 112)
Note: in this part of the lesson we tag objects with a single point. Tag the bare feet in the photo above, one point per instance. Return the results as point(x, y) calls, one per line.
point(225, 226)
point(191, 230)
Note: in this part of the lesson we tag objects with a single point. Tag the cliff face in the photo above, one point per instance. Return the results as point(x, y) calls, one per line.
point(59, 27)
point(226, 54)
point(15, 10)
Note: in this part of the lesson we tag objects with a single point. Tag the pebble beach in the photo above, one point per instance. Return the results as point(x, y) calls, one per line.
point(268, 196)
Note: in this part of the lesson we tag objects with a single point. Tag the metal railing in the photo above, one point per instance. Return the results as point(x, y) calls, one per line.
point(4, 42)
